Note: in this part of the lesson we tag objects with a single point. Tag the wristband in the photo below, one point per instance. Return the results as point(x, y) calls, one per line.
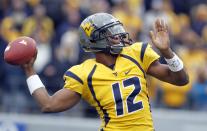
point(175, 64)
point(34, 83)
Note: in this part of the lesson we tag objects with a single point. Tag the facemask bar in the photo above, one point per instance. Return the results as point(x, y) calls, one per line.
point(109, 31)
point(124, 38)
point(117, 48)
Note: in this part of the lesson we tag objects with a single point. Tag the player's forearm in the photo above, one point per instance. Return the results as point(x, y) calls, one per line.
point(48, 103)
point(177, 74)
point(163, 73)
point(179, 78)
point(60, 101)
point(43, 99)
point(40, 94)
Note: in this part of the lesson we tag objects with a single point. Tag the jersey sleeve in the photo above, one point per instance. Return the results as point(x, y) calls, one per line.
point(148, 55)
point(144, 54)
point(73, 80)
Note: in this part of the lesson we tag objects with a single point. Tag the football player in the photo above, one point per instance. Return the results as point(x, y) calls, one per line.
point(114, 82)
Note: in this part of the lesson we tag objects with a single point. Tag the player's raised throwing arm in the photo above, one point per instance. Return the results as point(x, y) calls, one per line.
point(60, 101)
point(174, 72)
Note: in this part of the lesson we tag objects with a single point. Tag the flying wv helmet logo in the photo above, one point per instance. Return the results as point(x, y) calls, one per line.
point(88, 28)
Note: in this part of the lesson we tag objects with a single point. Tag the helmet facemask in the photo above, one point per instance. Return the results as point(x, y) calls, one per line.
point(113, 36)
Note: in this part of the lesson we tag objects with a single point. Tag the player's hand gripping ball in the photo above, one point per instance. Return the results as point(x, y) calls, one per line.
point(20, 51)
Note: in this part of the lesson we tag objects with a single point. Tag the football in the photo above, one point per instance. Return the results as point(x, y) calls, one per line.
point(20, 51)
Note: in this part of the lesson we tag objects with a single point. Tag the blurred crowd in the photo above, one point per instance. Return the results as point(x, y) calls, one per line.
point(54, 23)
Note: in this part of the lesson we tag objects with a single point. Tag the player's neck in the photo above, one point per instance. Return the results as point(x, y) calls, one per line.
point(105, 59)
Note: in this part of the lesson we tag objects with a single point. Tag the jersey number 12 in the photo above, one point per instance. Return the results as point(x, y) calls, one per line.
point(131, 105)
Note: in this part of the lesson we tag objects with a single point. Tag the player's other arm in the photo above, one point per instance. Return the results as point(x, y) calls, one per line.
point(162, 72)
point(174, 72)
point(62, 100)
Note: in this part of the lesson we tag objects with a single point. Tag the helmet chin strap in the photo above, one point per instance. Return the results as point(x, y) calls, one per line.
point(116, 49)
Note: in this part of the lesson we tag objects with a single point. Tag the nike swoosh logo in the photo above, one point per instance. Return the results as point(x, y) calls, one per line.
point(127, 72)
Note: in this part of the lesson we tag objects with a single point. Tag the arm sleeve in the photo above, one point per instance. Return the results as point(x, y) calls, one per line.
point(149, 57)
point(73, 81)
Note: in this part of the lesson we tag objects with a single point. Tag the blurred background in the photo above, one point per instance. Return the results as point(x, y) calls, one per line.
point(54, 23)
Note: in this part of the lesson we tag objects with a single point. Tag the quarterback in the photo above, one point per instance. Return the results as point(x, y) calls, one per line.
point(114, 82)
